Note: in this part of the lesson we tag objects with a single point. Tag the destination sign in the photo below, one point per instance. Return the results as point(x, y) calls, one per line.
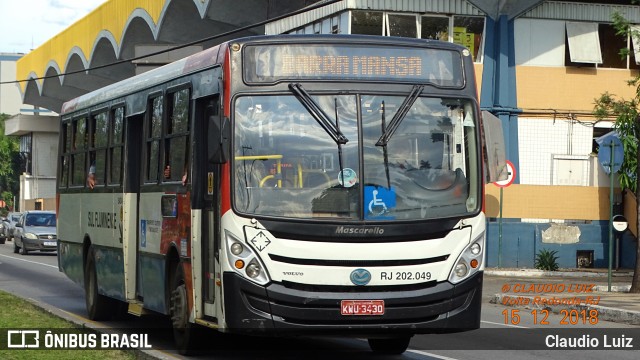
point(272, 63)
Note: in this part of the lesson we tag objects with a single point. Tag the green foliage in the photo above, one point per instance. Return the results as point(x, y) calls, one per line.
point(626, 114)
point(9, 164)
point(546, 260)
point(627, 123)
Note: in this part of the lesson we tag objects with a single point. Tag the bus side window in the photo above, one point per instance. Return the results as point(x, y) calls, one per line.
point(176, 159)
point(98, 141)
point(153, 136)
point(78, 156)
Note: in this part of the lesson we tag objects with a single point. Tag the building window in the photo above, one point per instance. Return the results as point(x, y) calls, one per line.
point(583, 44)
point(468, 31)
point(435, 28)
point(610, 47)
point(335, 25)
point(598, 45)
point(25, 152)
point(402, 25)
point(366, 22)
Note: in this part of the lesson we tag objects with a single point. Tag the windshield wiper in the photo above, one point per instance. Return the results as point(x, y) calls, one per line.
point(384, 146)
point(400, 114)
point(316, 112)
point(335, 106)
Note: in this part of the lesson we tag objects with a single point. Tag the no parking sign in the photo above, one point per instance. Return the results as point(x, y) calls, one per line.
point(511, 175)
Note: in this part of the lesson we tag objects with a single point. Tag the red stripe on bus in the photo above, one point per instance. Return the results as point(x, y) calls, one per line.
point(225, 188)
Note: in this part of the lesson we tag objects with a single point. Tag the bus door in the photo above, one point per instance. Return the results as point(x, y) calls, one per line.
point(206, 196)
point(131, 200)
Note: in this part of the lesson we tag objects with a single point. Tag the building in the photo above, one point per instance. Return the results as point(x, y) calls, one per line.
point(539, 66)
point(10, 99)
point(38, 140)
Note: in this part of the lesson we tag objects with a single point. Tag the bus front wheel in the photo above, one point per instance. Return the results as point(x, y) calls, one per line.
point(389, 346)
point(98, 306)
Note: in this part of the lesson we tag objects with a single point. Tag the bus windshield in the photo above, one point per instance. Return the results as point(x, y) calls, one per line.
point(287, 165)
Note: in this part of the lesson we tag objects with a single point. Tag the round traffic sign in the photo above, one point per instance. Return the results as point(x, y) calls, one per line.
point(511, 176)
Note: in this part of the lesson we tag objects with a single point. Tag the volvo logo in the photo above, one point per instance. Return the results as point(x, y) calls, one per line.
point(360, 277)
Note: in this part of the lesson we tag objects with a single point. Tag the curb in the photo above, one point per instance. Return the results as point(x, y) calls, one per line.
point(630, 317)
point(541, 273)
point(143, 354)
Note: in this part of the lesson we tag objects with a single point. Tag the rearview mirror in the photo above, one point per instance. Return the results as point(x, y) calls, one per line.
point(495, 163)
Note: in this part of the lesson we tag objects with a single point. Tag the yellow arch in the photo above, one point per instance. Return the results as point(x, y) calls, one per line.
point(111, 16)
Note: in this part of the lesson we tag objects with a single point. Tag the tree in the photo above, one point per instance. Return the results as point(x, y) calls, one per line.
point(627, 124)
point(9, 165)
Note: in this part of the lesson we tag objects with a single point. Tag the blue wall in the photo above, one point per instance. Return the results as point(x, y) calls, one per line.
point(521, 241)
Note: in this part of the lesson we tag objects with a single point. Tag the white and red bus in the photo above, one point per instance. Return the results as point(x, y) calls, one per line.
point(313, 184)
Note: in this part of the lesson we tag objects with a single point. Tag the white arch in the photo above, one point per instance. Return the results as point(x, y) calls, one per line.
point(75, 51)
point(144, 15)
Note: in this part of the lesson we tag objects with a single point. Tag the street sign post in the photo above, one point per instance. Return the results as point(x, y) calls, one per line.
point(611, 157)
point(511, 175)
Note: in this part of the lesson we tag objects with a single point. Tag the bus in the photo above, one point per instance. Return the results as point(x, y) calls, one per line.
point(291, 184)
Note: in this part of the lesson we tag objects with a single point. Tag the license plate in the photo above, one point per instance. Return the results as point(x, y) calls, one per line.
point(49, 243)
point(362, 307)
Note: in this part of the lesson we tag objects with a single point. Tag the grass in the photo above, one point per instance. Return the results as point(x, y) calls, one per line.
point(18, 314)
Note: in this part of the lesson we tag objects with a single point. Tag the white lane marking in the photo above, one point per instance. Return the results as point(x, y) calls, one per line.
point(507, 325)
point(420, 352)
point(29, 261)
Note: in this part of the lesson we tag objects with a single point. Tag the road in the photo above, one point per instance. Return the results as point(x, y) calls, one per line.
point(36, 277)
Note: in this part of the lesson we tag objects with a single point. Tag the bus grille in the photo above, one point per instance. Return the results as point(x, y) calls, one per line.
point(357, 289)
point(357, 263)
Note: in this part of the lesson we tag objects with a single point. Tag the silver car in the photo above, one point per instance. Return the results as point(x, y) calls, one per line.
point(36, 230)
point(3, 230)
point(9, 224)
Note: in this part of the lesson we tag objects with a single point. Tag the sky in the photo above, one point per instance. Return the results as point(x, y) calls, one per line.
point(27, 24)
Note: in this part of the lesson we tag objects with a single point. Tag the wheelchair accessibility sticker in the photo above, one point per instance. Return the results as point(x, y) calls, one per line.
point(378, 202)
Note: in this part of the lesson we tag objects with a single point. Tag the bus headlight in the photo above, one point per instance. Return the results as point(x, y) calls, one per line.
point(469, 262)
point(244, 261)
point(253, 269)
point(237, 248)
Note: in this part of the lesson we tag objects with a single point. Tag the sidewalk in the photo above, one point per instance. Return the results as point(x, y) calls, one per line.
point(566, 289)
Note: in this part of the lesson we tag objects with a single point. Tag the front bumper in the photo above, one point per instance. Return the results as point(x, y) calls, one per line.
point(39, 244)
point(442, 307)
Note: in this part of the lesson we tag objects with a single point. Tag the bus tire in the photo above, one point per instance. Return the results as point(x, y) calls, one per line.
point(98, 306)
point(184, 332)
point(389, 346)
